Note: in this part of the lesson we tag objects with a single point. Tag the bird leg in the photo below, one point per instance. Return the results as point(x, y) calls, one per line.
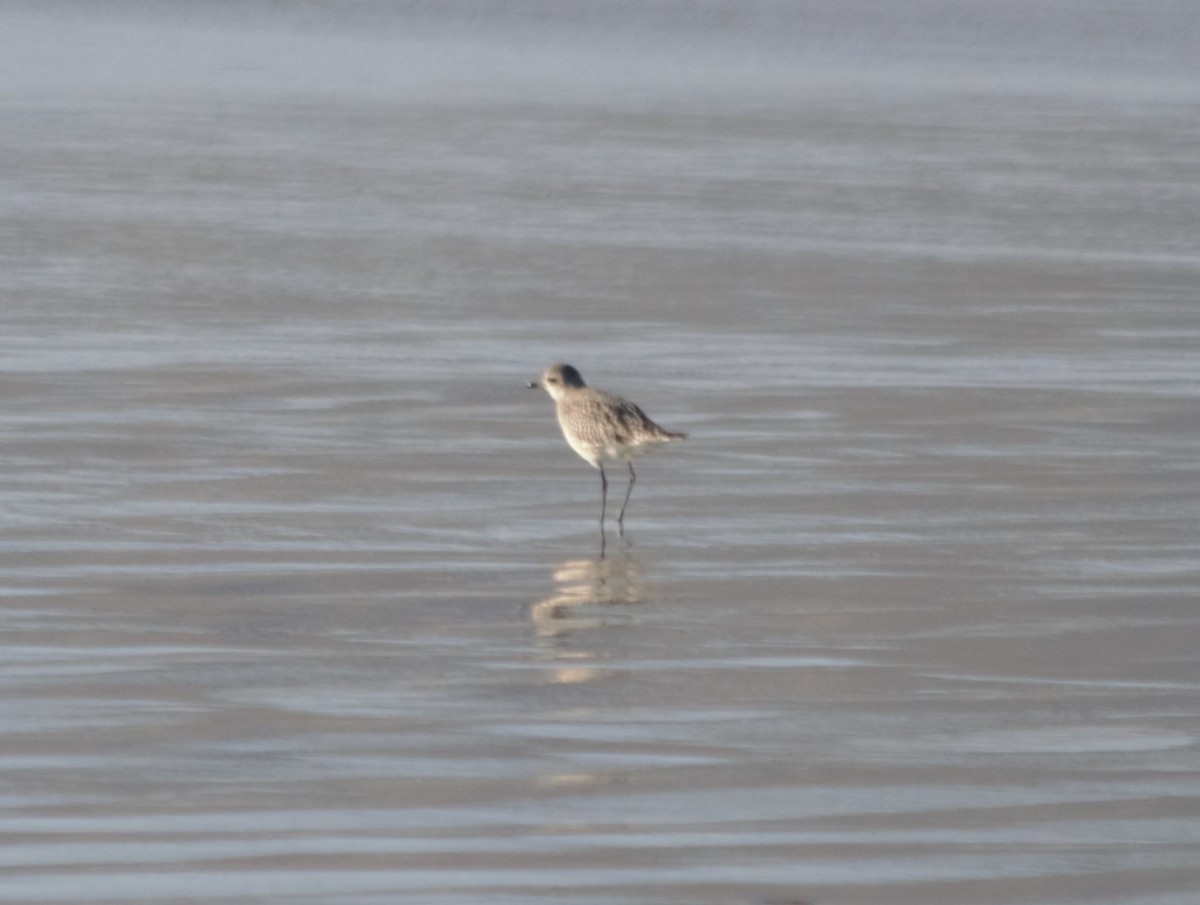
point(603, 497)
point(628, 491)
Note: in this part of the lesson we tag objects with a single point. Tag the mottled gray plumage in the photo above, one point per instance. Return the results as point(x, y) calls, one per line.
point(601, 427)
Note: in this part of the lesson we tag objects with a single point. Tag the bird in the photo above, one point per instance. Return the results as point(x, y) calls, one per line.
point(601, 427)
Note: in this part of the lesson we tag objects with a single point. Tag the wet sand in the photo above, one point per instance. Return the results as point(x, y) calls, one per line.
point(303, 599)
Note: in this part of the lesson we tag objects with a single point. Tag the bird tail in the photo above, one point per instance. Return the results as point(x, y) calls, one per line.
point(675, 435)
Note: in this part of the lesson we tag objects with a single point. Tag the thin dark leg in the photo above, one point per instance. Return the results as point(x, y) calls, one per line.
point(603, 497)
point(629, 490)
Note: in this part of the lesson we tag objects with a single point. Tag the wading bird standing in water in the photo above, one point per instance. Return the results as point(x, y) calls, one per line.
point(601, 427)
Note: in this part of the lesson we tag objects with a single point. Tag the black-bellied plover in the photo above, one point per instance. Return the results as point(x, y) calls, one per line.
point(601, 427)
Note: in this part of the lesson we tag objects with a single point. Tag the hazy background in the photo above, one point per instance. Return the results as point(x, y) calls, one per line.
point(302, 598)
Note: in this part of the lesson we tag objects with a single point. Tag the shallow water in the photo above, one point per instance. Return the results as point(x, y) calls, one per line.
point(303, 598)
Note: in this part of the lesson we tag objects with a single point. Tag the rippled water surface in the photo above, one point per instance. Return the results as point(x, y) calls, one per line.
point(303, 598)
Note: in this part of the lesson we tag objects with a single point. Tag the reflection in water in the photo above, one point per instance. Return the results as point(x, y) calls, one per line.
point(586, 590)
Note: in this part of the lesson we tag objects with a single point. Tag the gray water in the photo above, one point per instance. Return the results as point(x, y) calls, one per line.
point(303, 598)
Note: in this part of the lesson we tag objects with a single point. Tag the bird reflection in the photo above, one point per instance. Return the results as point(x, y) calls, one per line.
point(588, 594)
point(583, 584)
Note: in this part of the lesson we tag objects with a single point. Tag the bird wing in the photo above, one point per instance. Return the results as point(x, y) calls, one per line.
point(601, 419)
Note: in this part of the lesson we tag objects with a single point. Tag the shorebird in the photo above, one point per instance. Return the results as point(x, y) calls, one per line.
point(601, 427)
